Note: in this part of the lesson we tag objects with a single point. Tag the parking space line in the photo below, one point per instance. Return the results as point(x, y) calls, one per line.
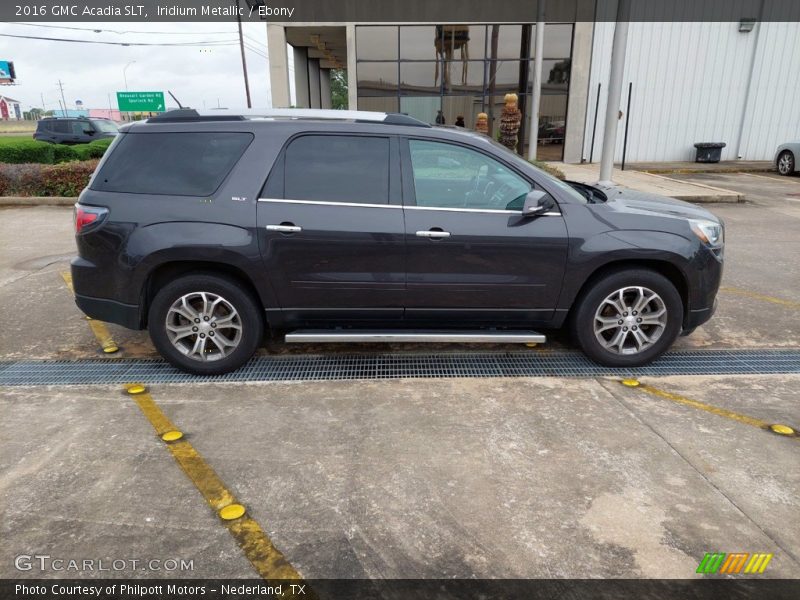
point(783, 430)
point(267, 560)
point(757, 296)
point(99, 329)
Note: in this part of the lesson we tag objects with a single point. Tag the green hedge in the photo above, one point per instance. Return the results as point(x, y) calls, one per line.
point(27, 151)
point(32, 151)
point(94, 149)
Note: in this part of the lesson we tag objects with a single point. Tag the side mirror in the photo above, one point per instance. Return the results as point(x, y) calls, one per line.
point(88, 131)
point(536, 203)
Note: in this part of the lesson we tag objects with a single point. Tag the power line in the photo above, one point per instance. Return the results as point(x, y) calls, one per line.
point(49, 39)
point(255, 50)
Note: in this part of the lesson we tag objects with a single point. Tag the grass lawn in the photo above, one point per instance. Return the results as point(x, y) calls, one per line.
point(10, 139)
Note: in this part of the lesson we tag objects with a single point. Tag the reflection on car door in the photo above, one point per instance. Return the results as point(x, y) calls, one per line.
point(470, 252)
point(331, 232)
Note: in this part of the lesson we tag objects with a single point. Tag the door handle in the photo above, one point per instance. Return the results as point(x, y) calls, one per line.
point(434, 234)
point(284, 228)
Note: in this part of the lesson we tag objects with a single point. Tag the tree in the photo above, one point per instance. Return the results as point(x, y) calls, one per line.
point(339, 89)
point(34, 114)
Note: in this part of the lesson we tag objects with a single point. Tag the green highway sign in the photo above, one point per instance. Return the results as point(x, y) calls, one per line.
point(141, 101)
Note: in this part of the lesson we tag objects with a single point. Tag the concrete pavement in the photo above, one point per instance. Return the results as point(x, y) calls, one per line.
point(518, 478)
point(651, 183)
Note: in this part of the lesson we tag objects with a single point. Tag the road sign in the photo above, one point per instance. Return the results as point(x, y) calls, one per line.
point(141, 101)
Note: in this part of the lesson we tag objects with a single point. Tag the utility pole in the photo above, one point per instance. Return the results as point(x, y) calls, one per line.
point(533, 136)
point(42, 96)
point(614, 91)
point(244, 61)
point(63, 101)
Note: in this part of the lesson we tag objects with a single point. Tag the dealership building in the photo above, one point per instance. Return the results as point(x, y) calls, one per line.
point(736, 82)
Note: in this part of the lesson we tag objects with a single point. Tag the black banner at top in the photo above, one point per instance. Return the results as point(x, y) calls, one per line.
point(398, 11)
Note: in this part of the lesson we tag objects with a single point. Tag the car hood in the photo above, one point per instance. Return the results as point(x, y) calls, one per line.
point(625, 200)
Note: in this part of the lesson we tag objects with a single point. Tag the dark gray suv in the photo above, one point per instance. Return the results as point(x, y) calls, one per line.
point(79, 130)
point(212, 229)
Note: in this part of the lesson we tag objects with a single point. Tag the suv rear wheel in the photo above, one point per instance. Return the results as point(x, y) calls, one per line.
point(628, 318)
point(205, 324)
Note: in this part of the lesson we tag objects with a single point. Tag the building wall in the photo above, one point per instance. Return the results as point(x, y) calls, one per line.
point(690, 84)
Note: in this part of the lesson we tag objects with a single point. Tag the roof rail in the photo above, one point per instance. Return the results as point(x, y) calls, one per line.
point(191, 114)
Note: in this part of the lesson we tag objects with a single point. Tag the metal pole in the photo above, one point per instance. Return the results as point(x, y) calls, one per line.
point(244, 61)
point(627, 122)
point(64, 102)
point(614, 92)
point(125, 77)
point(594, 126)
point(533, 136)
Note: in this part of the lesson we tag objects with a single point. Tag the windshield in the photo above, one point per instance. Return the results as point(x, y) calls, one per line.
point(524, 164)
point(106, 126)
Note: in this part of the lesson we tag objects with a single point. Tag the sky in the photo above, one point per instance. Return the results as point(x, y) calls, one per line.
point(201, 76)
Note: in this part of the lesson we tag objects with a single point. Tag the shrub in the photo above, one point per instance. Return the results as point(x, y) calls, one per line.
point(63, 153)
point(10, 175)
point(27, 151)
point(94, 149)
point(98, 147)
point(555, 172)
point(66, 179)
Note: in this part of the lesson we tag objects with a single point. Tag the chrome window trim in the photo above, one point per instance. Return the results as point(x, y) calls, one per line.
point(397, 206)
point(325, 203)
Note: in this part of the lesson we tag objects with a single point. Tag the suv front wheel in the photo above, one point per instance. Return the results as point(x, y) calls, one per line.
point(628, 318)
point(205, 324)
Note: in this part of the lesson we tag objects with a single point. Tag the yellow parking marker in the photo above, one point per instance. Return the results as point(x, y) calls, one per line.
point(267, 560)
point(784, 430)
point(762, 297)
point(107, 343)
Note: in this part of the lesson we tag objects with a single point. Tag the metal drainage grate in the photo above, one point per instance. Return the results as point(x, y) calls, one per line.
point(396, 366)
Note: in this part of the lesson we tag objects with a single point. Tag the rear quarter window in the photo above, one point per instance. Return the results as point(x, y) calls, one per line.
point(173, 164)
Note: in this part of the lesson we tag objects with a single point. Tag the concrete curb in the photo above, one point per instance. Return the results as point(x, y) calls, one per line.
point(709, 170)
point(37, 201)
point(721, 195)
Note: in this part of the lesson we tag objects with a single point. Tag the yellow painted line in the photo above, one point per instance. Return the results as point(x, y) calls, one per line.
point(716, 410)
point(99, 329)
point(757, 296)
point(267, 560)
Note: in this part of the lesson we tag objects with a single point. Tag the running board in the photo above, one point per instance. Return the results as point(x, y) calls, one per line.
point(434, 336)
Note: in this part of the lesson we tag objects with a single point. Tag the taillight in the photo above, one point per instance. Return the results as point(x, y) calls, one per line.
point(87, 216)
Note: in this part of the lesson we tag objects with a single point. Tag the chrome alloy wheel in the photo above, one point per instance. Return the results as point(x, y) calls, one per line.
point(630, 320)
point(204, 326)
point(785, 164)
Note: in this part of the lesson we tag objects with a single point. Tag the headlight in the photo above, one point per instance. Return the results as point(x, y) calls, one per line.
point(709, 232)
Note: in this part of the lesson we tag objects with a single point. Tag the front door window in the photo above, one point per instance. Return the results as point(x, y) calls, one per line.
point(451, 176)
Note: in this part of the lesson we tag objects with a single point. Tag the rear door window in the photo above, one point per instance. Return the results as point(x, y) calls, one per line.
point(337, 168)
point(62, 126)
point(174, 164)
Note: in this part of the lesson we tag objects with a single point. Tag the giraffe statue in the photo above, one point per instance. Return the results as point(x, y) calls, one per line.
point(450, 38)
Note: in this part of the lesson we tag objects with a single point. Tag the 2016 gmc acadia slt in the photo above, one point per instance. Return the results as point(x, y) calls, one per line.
point(210, 230)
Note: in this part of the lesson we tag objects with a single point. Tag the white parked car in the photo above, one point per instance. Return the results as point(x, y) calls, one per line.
point(786, 158)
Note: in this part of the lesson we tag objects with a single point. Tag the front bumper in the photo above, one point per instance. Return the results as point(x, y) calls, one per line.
point(695, 318)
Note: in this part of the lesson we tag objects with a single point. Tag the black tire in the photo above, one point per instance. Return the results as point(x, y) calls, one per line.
point(250, 319)
point(786, 163)
point(583, 316)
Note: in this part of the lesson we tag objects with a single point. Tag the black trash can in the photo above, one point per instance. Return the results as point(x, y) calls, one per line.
point(709, 152)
